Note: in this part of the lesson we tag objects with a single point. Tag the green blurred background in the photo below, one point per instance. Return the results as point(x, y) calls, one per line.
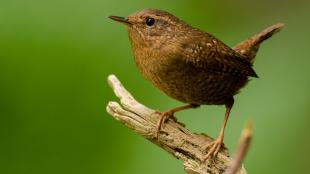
point(55, 56)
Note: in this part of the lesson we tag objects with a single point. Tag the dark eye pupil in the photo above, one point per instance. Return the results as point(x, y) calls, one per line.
point(150, 21)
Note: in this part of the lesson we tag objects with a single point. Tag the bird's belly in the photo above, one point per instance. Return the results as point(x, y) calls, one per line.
point(197, 86)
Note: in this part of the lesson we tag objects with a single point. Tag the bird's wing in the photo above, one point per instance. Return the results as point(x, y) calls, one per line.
point(214, 56)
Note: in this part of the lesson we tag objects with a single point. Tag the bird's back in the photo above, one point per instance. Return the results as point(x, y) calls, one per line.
point(199, 69)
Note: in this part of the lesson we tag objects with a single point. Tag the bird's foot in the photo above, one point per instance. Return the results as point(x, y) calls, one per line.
point(162, 120)
point(213, 148)
point(171, 116)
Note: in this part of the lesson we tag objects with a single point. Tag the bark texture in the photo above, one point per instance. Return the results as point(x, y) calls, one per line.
point(174, 138)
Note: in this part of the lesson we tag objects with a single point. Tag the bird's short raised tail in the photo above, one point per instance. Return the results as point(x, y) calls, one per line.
point(250, 46)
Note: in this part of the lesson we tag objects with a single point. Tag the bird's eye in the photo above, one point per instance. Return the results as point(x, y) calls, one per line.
point(150, 21)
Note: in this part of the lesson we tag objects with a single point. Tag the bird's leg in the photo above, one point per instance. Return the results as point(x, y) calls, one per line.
point(216, 144)
point(170, 113)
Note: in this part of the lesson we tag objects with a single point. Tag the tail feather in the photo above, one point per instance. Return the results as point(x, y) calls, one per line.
point(250, 46)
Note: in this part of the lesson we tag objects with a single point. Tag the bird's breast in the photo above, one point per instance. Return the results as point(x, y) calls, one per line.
point(186, 82)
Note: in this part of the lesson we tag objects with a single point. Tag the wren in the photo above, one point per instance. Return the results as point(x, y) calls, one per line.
point(190, 65)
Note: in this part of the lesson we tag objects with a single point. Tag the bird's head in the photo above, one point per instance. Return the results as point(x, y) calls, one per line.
point(152, 28)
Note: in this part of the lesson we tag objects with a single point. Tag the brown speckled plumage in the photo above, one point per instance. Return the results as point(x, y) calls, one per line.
point(188, 64)
point(185, 63)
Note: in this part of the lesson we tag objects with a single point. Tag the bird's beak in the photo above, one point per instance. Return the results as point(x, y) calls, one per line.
point(122, 20)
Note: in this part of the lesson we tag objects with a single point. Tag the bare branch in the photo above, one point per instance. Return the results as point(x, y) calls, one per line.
point(174, 137)
point(245, 140)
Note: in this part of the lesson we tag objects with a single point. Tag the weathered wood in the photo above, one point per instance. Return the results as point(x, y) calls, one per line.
point(173, 138)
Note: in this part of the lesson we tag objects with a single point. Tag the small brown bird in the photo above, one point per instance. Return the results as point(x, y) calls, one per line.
point(190, 65)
